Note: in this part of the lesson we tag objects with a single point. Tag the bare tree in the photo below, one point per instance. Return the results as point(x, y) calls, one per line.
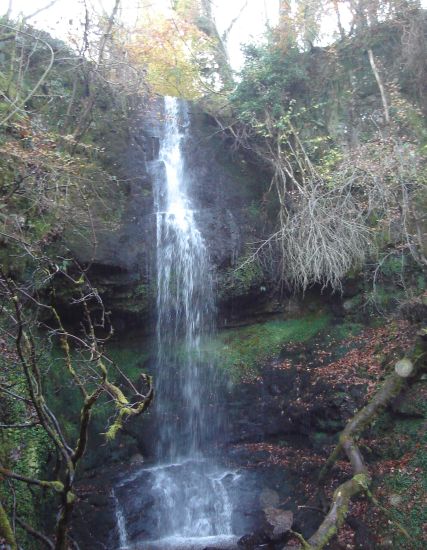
point(84, 118)
point(16, 104)
point(9, 9)
point(321, 230)
point(90, 377)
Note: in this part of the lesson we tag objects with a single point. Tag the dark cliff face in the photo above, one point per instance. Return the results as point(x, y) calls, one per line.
point(224, 192)
point(221, 191)
point(117, 238)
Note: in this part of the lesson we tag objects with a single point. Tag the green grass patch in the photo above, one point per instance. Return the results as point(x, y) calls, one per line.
point(241, 351)
point(409, 512)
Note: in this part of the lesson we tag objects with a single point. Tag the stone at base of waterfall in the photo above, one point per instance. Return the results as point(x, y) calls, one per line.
point(137, 458)
point(404, 367)
point(277, 523)
point(253, 540)
point(269, 498)
point(222, 547)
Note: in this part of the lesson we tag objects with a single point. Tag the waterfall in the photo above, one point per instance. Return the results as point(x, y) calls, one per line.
point(192, 502)
point(190, 491)
point(185, 304)
point(121, 523)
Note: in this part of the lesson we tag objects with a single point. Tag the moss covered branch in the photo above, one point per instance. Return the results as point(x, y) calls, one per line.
point(56, 485)
point(125, 409)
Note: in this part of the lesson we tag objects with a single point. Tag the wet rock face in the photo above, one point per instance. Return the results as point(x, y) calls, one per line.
point(123, 260)
point(221, 233)
point(94, 521)
point(117, 241)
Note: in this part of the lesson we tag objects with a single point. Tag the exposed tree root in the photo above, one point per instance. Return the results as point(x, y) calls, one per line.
point(361, 480)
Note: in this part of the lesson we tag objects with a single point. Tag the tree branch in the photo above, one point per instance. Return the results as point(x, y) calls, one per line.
point(36, 534)
point(380, 86)
point(15, 426)
point(27, 17)
point(55, 485)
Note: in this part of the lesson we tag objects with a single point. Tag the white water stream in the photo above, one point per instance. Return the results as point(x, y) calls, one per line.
point(190, 490)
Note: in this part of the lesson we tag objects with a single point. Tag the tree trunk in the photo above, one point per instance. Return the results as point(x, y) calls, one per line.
point(84, 122)
point(204, 20)
point(380, 86)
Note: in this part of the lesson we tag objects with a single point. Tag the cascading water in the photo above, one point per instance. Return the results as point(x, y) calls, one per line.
point(190, 504)
point(121, 524)
point(185, 304)
point(190, 491)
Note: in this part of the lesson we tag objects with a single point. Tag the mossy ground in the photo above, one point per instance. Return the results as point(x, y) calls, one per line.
point(349, 361)
point(240, 352)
